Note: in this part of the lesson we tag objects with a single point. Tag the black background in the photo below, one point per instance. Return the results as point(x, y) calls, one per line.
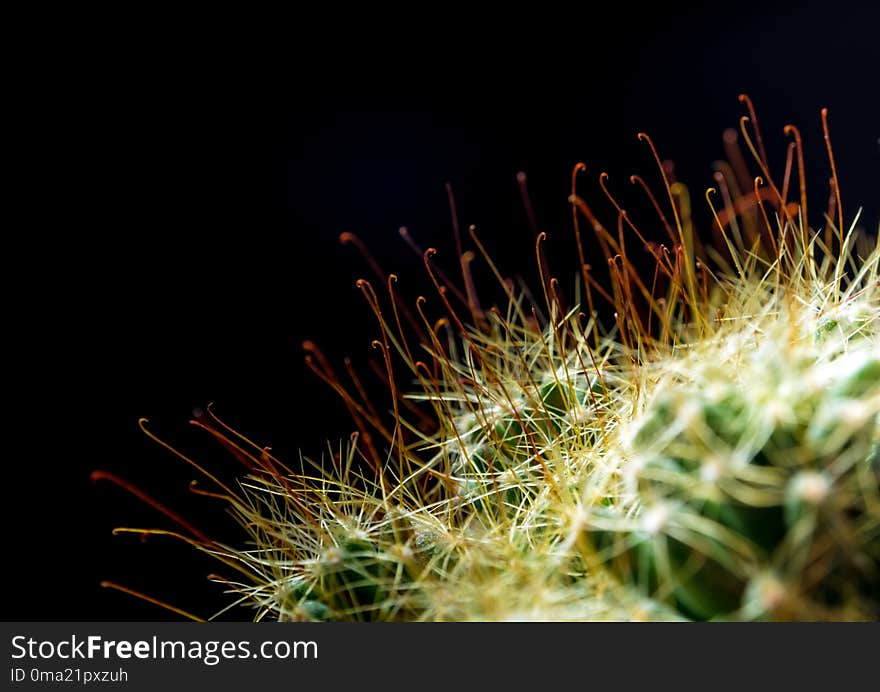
point(182, 189)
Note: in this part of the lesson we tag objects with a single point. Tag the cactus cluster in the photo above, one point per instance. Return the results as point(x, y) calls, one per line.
point(714, 455)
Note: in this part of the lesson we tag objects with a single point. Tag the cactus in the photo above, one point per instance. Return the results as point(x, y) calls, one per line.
point(713, 455)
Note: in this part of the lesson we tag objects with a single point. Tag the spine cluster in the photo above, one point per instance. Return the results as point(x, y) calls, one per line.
point(715, 454)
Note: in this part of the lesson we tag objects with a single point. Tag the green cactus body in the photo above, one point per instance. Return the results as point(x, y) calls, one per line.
point(787, 484)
